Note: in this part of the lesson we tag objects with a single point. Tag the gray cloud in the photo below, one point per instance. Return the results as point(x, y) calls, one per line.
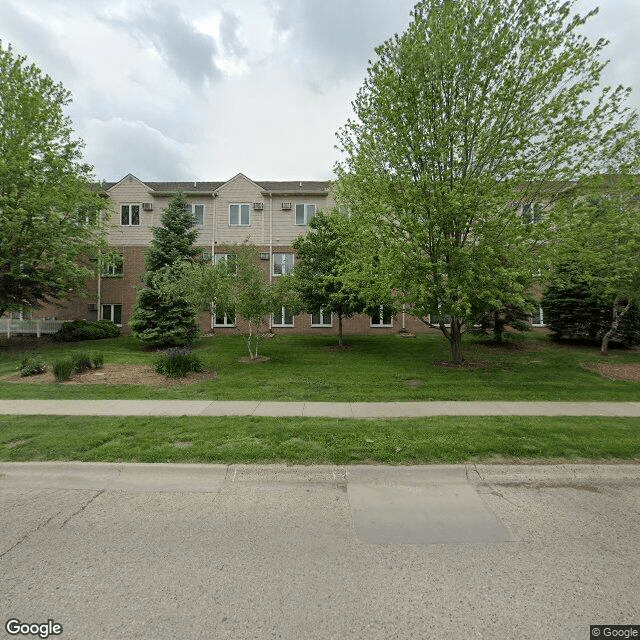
point(229, 26)
point(116, 147)
point(186, 50)
point(32, 37)
point(334, 39)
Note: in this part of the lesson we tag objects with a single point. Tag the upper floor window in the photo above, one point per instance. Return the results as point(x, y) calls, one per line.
point(130, 215)
point(112, 267)
point(532, 213)
point(239, 215)
point(282, 263)
point(227, 258)
point(304, 213)
point(198, 213)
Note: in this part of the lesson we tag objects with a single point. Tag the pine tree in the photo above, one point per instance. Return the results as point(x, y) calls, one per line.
point(164, 316)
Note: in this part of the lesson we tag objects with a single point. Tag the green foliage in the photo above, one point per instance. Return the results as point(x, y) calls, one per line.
point(86, 361)
point(497, 321)
point(32, 365)
point(77, 330)
point(51, 215)
point(573, 311)
point(319, 275)
point(62, 369)
point(481, 106)
point(164, 315)
point(178, 363)
point(595, 255)
point(240, 288)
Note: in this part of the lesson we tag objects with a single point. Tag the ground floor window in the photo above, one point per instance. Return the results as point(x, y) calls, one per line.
point(382, 317)
point(321, 318)
point(436, 318)
point(282, 317)
point(112, 312)
point(223, 319)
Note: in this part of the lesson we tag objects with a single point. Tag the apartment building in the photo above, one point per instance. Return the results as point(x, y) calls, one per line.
point(268, 214)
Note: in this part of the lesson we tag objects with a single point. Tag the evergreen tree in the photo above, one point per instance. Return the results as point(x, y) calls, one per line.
point(164, 315)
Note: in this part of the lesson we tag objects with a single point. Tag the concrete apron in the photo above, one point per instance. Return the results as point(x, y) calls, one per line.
point(389, 505)
point(418, 505)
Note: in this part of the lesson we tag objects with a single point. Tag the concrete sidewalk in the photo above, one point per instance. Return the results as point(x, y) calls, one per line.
point(314, 409)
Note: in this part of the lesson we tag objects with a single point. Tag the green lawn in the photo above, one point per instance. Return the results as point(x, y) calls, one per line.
point(308, 441)
point(375, 368)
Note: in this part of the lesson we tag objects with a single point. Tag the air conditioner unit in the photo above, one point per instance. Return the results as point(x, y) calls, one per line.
point(286, 206)
point(147, 206)
point(258, 206)
point(264, 256)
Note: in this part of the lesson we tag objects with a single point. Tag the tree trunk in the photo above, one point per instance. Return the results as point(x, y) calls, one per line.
point(604, 347)
point(498, 327)
point(339, 329)
point(455, 340)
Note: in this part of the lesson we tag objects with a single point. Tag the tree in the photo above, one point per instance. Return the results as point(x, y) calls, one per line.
point(479, 108)
point(497, 321)
point(237, 287)
point(50, 216)
point(164, 314)
point(318, 276)
point(596, 251)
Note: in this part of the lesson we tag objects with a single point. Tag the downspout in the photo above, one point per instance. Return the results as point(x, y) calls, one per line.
point(213, 246)
point(270, 250)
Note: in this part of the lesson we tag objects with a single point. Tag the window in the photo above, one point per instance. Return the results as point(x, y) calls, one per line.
point(227, 258)
point(532, 213)
point(282, 263)
point(113, 268)
point(383, 318)
point(537, 320)
point(321, 318)
point(112, 312)
point(130, 215)
point(223, 319)
point(436, 318)
point(304, 213)
point(239, 215)
point(198, 213)
point(282, 317)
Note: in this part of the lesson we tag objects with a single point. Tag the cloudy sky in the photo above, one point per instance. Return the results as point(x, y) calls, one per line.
point(205, 89)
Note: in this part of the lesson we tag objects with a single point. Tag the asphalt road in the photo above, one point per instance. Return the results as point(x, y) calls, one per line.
point(170, 551)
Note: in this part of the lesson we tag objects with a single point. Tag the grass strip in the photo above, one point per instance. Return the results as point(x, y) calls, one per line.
point(450, 439)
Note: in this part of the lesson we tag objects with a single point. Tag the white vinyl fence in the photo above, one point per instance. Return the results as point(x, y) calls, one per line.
point(9, 327)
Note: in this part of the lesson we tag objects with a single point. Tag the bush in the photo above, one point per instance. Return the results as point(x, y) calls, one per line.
point(178, 362)
point(32, 365)
point(574, 313)
point(62, 369)
point(83, 330)
point(83, 361)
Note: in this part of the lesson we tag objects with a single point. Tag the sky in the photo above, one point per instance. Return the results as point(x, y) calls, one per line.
point(207, 89)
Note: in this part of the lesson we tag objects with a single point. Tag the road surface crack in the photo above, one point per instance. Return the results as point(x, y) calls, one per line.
point(83, 507)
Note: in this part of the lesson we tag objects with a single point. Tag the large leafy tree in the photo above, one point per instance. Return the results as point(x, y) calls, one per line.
point(318, 274)
point(50, 222)
point(481, 106)
point(164, 314)
point(596, 252)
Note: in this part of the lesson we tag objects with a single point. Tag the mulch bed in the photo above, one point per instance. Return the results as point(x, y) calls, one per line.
point(118, 374)
point(629, 372)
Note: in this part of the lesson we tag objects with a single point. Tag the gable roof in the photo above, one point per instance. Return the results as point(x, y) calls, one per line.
point(282, 187)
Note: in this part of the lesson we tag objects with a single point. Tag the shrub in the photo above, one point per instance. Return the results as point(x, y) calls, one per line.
point(178, 362)
point(573, 312)
point(62, 369)
point(83, 330)
point(32, 365)
point(85, 361)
